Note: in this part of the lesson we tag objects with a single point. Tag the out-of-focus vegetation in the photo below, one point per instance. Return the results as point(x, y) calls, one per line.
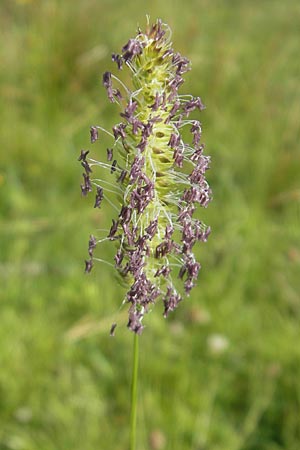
point(223, 373)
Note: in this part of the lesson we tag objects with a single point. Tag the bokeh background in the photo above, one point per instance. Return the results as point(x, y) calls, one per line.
point(223, 372)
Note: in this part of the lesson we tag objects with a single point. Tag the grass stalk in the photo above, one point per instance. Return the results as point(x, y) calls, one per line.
point(133, 414)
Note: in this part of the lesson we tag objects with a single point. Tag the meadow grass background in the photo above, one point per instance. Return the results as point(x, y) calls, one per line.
point(223, 372)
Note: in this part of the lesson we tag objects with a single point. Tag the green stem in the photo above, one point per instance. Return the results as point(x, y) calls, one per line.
point(134, 392)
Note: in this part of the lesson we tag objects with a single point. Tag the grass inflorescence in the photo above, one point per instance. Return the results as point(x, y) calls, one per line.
point(159, 178)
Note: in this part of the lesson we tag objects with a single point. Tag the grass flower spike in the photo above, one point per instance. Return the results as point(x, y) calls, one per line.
point(158, 179)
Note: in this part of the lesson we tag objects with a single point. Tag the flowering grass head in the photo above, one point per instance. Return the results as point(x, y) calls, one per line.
point(157, 179)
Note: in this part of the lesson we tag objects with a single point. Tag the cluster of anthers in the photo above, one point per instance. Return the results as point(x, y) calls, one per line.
point(158, 178)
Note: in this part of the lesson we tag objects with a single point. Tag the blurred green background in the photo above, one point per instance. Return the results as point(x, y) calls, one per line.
point(223, 372)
